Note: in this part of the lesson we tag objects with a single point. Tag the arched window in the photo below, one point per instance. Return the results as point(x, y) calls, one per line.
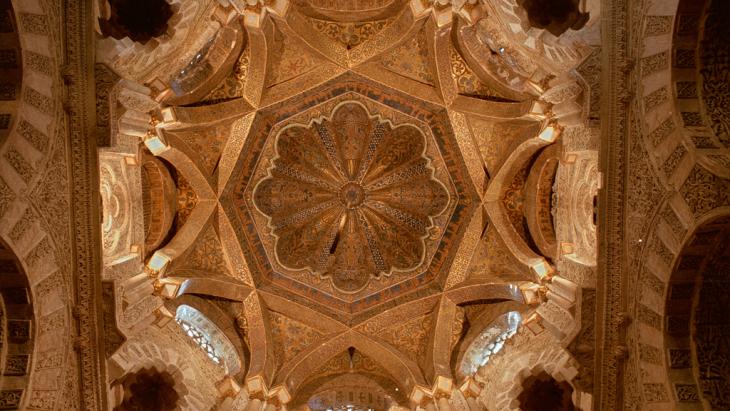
point(200, 339)
point(208, 337)
point(490, 341)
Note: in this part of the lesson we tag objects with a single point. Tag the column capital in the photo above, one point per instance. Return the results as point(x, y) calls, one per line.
point(279, 396)
point(420, 396)
point(257, 387)
point(254, 11)
point(445, 11)
point(471, 388)
point(228, 387)
point(442, 387)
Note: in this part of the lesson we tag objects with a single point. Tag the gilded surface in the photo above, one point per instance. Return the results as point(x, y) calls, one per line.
point(336, 177)
point(350, 197)
point(349, 163)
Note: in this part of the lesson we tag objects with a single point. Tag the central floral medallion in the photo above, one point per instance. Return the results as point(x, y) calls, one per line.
point(350, 197)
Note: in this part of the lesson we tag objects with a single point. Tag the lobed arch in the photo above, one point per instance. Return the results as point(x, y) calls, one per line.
point(545, 392)
point(148, 388)
point(134, 358)
point(529, 353)
point(505, 316)
point(187, 30)
point(11, 70)
point(403, 371)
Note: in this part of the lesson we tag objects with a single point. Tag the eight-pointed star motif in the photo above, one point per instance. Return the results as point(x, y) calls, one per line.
point(350, 197)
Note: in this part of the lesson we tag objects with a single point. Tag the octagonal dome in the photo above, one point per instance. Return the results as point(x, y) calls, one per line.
point(351, 195)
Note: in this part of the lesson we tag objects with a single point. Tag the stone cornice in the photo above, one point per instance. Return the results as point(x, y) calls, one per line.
point(78, 71)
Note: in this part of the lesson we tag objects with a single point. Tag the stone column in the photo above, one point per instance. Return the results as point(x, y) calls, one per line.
point(443, 403)
point(254, 404)
point(442, 387)
point(429, 406)
point(473, 404)
point(228, 389)
point(471, 389)
point(421, 397)
point(277, 398)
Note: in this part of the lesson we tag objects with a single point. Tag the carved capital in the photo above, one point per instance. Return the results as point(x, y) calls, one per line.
point(442, 387)
point(420, 396)
point(471, 388)
point(228, 387)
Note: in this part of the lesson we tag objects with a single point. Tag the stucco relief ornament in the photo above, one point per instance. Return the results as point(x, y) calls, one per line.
point(350, 197)
point(254, 11)
point(445, 10)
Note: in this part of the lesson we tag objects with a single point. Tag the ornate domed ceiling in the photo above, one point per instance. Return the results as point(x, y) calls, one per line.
point(364, 205)
point(351, 192)
point(351, 198)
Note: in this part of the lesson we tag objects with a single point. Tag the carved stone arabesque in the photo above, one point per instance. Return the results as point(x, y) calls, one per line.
point(609, 302)
point(576, 187)
point(85, 197)
point(240, 224)
point(715, 68)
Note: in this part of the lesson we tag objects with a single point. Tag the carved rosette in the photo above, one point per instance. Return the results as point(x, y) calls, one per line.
point(350, 197)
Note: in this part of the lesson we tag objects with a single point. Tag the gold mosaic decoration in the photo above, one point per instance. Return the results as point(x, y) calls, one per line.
point(292, 58)
point(466, 81)
point(291, 337)
point(349, 34)
point(411, 59)
point(206, 257)
point(350, 197)
point(232, 86)
point(187, 199)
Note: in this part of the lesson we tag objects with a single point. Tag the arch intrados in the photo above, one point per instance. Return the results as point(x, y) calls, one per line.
point(181, 380)
point(484, 320)
point(692, 94)
point(403, 371)
point(538, 369)
point(311, 387)
point(530, 398)
point(17, 323)
point(11, 71)
point(705, 245)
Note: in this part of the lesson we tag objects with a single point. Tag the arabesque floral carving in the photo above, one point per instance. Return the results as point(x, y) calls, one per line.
point(351, 197)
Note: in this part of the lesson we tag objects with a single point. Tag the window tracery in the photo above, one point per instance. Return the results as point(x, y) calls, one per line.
point(200, 338)
point(206, 334)
point(490, 342)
